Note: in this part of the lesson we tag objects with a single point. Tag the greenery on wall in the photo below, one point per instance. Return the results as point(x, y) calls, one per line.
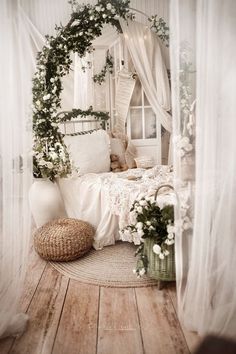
point(51, 159)
point(108, 67)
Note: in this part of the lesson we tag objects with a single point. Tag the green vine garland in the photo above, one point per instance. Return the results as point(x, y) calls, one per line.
point(108, 67)
point(51, 159)
point(160, 27)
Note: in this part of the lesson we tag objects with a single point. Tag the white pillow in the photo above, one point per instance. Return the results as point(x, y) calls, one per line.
point(90, 152)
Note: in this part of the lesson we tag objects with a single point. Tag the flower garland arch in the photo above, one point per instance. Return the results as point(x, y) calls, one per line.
point(51, 159)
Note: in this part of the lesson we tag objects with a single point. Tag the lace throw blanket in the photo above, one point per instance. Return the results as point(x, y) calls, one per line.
point(122, 189)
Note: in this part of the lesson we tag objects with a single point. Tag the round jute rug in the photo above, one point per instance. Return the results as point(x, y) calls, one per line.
point(111, 267)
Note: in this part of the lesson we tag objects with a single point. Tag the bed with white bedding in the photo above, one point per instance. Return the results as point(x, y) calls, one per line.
point(104, 200)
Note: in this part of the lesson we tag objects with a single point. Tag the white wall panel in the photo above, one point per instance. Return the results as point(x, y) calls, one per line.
point(46, 13)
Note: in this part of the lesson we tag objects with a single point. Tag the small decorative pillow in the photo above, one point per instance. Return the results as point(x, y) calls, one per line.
point(144, 161)
point(90, 152)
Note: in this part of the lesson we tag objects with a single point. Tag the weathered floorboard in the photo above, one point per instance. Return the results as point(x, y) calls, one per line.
point(77, 332)
point(191, 338)
point(36, 266)
point(44, 312)
point(160, 327)
point(119, 330)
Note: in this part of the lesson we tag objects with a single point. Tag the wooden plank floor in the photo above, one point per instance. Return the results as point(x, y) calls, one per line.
point(69, 317)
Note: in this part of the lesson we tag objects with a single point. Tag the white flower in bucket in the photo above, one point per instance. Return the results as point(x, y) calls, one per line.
point(156, 249)
point(139, 225)
point(152, 218)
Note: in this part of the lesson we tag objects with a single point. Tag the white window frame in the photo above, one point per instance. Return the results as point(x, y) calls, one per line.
point(119, 51)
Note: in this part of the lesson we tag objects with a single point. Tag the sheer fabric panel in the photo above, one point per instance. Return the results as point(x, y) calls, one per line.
point(146, 55)
point(17, 59)
point(206, 257)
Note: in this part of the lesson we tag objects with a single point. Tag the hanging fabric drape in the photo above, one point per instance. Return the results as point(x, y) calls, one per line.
point(17, 59)
point(146, 55)
point(205, 256)
point(124, 91)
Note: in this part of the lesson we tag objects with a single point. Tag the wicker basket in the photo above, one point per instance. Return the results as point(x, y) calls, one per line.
point(160, 269)
point(63, 239)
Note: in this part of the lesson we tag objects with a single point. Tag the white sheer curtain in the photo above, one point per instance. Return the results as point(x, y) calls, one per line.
point(206, 257)
point(146, 55)
point(17, 64)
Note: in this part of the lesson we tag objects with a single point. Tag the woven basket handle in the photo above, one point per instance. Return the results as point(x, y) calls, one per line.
point(162, 186)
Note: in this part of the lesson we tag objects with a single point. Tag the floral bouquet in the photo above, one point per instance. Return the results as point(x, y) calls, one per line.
point(153, 224)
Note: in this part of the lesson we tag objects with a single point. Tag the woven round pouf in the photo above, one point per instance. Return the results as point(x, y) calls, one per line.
point(63, 239)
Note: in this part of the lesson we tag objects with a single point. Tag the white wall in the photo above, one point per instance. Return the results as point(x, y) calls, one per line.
point(46, 13)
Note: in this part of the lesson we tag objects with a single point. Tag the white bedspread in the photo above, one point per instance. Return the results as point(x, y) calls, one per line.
point(104, 200)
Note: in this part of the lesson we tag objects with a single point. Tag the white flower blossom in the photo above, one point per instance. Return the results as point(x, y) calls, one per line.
point(169, 242)
point(142, 272)
point(109, 6)
point(188, 147)
point(53, 155)
point(49, 165)
point(143, 202)
point(166, 253)
point(170, 228)
point(161, 256)
point(156, 249)
point(139, 209)
point(76, 22)
point(42, 162)
point(139, 225)
point(126, 232)
point(140, 233)
point(46, 97)
point(170, 236)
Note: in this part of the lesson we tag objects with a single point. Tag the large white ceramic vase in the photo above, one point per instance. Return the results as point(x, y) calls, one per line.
point(45, 201)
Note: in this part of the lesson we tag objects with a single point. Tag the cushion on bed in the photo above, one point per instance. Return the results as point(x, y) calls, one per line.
point(90, 152)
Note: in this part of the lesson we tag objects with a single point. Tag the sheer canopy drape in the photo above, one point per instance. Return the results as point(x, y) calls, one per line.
point(205, 254)
point(146, 55)
point(17, 64)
